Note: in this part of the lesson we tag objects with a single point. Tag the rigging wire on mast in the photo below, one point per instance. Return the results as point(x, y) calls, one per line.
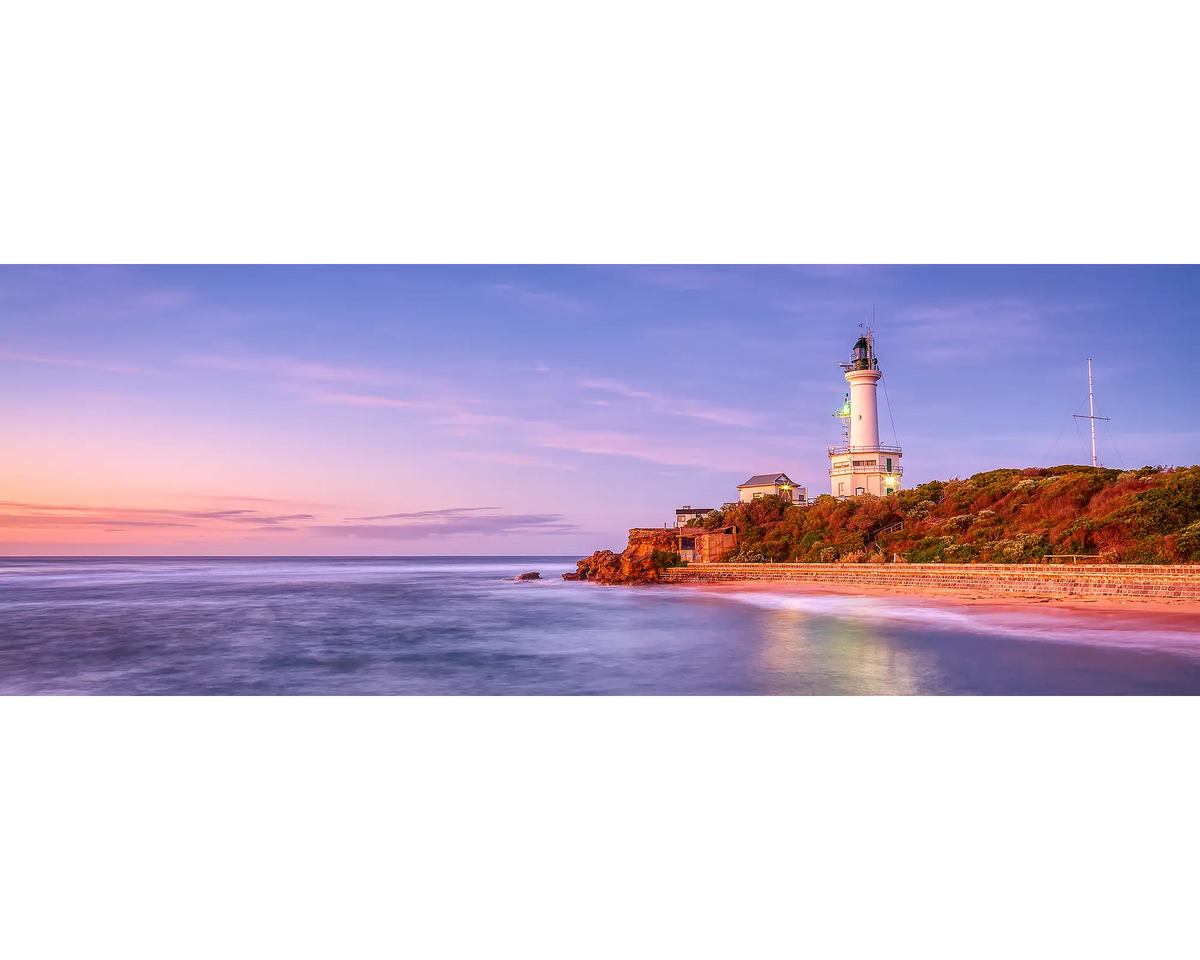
point(1046, 455)
point(1115, 447)
point(883, 380)
point(1108, 430)
point(895, 437)
point(1082, 442)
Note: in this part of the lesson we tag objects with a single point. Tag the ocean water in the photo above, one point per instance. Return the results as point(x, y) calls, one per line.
point(459, 626)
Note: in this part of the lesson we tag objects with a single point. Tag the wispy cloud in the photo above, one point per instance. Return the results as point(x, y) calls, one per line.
point(318, 382)
point(514, 459)
point(962, 329)
point(88, 294)
point(33, 516)
point(245, 516)
point(291, 368)
point(616, 444)
point(232, 498)
point(428, 516)
point(675, 406)
point(72, 362)
point(538, 298)
point(838, 271)
point(360, 400)
point(465, 418)
point(449, 522)
point(686, 279)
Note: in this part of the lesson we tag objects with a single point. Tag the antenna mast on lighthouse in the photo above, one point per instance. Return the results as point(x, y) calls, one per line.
point(1091, 413)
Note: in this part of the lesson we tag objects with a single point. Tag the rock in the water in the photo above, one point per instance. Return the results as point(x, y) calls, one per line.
point(530, 576)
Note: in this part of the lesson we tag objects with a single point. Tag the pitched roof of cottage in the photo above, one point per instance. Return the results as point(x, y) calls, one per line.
point(766, 479)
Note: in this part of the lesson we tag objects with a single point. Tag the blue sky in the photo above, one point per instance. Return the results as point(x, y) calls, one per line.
point(508, 410)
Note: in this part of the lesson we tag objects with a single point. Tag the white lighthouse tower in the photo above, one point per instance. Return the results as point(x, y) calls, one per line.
point(862, 464)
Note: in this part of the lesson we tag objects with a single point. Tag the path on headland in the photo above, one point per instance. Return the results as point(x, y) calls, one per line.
point(1134, 581)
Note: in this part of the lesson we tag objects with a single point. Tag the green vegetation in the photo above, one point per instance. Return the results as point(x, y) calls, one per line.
point(663, 560)
point(1151, 515)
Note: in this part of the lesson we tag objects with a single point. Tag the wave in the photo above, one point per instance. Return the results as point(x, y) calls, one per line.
point(1055, 625)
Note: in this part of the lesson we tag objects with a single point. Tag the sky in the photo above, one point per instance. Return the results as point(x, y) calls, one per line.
point(516, 410)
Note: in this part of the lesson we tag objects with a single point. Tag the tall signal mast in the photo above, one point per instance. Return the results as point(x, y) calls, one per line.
point(1091, 413)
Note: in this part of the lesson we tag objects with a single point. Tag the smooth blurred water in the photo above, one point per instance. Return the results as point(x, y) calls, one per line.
point(458, 626)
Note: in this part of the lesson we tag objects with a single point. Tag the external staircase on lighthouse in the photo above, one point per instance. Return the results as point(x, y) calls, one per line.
point(862, 465)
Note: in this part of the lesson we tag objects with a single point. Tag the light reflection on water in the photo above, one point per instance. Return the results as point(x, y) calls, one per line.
point(805, 654)
point(457, 626)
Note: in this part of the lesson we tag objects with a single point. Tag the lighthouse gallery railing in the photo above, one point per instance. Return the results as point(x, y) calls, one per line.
point(871, 448)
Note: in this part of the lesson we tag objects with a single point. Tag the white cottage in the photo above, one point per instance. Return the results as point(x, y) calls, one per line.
point(771, 485)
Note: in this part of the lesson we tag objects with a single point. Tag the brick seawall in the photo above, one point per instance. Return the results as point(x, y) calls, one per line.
point(1180, 581)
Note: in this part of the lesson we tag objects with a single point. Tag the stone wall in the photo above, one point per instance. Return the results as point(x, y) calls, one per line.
point(1044, 580)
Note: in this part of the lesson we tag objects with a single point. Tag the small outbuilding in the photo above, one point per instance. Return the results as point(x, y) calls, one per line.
point(697, 545)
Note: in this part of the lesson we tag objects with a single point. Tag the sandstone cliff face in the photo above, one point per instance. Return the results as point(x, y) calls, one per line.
point(634, 565)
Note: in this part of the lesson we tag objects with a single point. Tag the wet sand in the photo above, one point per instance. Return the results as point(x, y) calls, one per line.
point(1129, 612)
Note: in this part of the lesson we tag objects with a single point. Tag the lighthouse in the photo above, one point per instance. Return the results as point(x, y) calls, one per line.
point(863, 465)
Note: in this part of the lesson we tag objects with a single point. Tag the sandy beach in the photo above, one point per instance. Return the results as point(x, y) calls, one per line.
point(1131, 613)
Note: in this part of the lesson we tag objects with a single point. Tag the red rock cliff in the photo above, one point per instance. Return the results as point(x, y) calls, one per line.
point(634, 565)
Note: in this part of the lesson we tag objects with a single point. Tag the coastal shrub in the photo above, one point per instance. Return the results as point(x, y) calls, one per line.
point(854, 542)
point(1187, 542)
point(1001, 516)
point(928, 550)
point(960, 494)
point(808, 541)
point(921, 509)
point(665, 560)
